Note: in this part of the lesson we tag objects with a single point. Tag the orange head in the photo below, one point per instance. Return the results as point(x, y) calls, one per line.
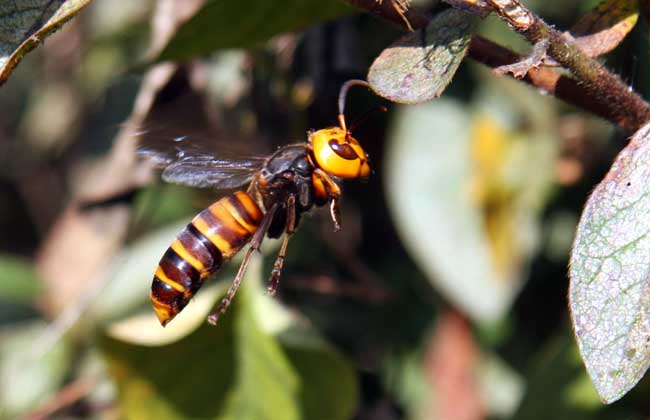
point(338, 153)
point(334, 149)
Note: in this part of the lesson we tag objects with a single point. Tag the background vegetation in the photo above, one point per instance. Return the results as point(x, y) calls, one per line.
point(444, 295)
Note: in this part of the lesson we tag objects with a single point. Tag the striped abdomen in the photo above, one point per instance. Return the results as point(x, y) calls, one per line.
point(214, 236)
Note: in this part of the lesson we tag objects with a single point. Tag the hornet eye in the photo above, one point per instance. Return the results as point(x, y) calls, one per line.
point(344, 150)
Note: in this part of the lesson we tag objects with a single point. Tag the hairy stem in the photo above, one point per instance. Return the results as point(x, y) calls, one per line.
point(599, 83)
point(594, 88)
point(549, 81)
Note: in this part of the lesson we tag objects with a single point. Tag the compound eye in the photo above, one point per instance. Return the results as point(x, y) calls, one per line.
point(344, 150)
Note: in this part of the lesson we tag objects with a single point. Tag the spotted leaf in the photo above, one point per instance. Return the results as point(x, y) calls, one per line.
point(610, 274)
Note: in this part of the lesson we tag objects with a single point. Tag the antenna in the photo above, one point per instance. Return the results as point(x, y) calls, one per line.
point(364, 117)
point(342, 95)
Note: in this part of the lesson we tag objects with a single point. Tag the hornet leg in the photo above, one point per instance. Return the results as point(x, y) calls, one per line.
point(279, 261)
point(335, 213)
point(333, 193)
point(255, 244)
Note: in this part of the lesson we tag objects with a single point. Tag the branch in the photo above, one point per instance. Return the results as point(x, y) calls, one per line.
point(550, 81)
point(603, 86)
point(385, 10)
point(546, 79)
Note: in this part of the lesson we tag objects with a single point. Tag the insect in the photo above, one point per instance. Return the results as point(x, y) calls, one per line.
point(281, 187)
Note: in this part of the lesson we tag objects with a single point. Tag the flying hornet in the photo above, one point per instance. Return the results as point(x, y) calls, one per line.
point(280, 188)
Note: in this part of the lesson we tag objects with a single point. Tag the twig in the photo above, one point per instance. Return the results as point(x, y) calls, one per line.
point(549, 81)
point(602, 85)
point(573, 91)
point(387, 11)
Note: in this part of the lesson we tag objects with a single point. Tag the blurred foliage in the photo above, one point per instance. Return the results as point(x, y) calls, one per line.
point(237, 29)
point(471, 212)
point(250, 374)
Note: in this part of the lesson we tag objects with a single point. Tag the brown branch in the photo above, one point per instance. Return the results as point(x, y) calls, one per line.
point(387, 11)
point(603, 86)
point(546, 79)
point(550, 82)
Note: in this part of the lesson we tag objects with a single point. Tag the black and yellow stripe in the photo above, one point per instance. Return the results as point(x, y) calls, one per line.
point(214, 236)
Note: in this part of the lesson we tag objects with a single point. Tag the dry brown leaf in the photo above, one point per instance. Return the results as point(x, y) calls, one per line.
point(605, 26)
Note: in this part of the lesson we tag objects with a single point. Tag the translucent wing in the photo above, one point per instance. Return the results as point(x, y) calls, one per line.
point(192, 167)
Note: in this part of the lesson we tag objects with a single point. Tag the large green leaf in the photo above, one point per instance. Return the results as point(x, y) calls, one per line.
point(610, 285)
point(236, 370)
point(26, 23)
point(232, 24)
point(465, 191)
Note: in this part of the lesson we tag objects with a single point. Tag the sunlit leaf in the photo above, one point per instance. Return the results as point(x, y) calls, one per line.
point(405, 378)
point(18, 279)
point(502, 387)
point(28, 374)
point(221, 24)
point(464, 192)
point(610, 286)
point(419, 66)
point(145, 329)
point(249, 372)
point(129, 281)
point(426, 179)
point(602, 29)
point(26, 23)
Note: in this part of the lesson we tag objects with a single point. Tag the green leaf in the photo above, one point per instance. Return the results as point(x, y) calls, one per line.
point(465, 192)
point(405, 377)
point(236, 370)
point(130, 274)
point(29, 374)
point(223, 24)
point(328, 385)
point(129, 282)
point(419, 66)
point(18, 279)
point(610, 285)
point(502, 388)
point(556, 385)
point(26, 23)
point(425, 178)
